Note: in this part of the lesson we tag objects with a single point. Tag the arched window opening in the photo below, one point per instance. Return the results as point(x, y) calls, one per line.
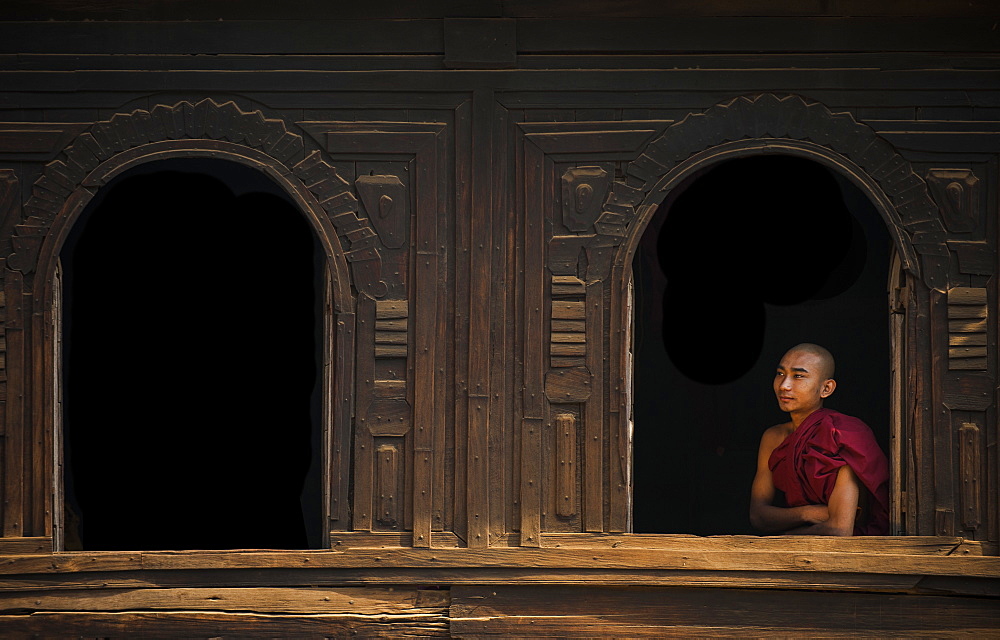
point(743, 261)
point(192, 300)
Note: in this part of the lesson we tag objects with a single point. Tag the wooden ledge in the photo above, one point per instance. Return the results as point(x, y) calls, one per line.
point(799, 558)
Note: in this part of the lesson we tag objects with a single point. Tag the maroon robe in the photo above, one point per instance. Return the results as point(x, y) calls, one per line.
point(804, 466)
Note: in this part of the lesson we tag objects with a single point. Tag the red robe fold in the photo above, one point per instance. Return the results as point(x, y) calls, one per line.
point(804, 466)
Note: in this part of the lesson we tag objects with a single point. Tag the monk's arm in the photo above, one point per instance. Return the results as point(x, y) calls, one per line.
point(843, 507)
point(766, 517)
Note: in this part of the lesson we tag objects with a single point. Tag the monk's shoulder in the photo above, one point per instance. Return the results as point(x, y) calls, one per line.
point(773, 436)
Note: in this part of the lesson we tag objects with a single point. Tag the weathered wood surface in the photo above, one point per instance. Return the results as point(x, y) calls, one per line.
point(221, 624)
point(543, 611)
point(352, 601)
point(14, 546)
point(553, 560)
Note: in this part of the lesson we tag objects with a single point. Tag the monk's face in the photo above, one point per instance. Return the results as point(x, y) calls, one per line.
point(802, 382)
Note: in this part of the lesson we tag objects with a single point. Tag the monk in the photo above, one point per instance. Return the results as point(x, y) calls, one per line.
point(822, 473)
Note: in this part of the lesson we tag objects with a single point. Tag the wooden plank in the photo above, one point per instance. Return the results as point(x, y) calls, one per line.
point(967, 296)
point(681, 612)
point(535, 202)
point(481, 264)
point(342, 540)
point(348, 601)
point(967, 352)
point(576, 326)
point(40, 447)
point(564, 349)
point(392, 309)
point(339, 381)
point(364, 443)
point(230, 37)
point(17, 431)
point(966, 339)
point(503, 398)
point(388, 499)
point(565, 484)
point(390, 351)
point(920, 437)
point(426, 292)
point(763, 34)
point(459, 326)
point(390, 337)
point(390, 325)
point(968, 364)
point(962, 311)
point(218, 624)
point(594, 444)
point(944, 467)
point(34, 545)
point(620, 401)
point(554, 561)
point(891, 545)
point(592, 142)
point(967, 326)
point(567, 286)
point(347, 577)
point(970, 469)
point(566, 310)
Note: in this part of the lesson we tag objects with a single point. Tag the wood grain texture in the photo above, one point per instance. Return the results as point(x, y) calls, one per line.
point(686, 612)
point(16, 441)
point(312, 600)
point(546, 561)
point(220, 624)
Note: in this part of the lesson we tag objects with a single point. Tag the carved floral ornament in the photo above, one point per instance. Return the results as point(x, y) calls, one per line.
point(912, 212)
point(203, 121)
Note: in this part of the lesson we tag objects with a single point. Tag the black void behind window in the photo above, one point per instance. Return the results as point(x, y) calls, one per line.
point(191, 333)
point(744, 261)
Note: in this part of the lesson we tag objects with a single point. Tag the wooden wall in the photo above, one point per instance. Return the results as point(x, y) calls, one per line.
point(479, 184)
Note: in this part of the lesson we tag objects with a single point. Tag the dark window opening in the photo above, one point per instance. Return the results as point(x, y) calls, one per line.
point(742, 262)
point(192, 358)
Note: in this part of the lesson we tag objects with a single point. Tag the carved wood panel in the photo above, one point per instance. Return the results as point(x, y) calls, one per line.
point(397, 172)
point(577, 214)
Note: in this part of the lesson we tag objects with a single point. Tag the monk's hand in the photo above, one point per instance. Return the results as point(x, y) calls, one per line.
point(815, 513)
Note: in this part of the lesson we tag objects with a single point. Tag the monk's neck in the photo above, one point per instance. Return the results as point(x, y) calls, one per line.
point(798, 417)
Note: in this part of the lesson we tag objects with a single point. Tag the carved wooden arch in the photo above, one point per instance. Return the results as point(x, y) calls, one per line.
point(768, 123)
point(184, 130)
point(749, 126)
point(203, 129)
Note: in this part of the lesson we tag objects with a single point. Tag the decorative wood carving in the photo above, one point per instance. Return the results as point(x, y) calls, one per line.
point(568, 338)
point(203, 120)
point(565, 427)
point(389, 413)
point(583, 191)
point(387, 205)
point(970, 469)
point(967, 322)
point(914, 213)
point(957, 193)
point(333, 192)
point(387, 475)
point(974, 256)
point(384, 325)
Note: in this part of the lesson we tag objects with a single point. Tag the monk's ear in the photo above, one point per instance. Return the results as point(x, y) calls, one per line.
point(828, 387)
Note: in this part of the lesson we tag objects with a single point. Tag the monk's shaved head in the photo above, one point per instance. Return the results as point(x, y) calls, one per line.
point(825, 357)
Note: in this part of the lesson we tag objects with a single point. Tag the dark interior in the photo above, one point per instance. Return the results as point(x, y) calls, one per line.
point(191, 350)
point(742, 262)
